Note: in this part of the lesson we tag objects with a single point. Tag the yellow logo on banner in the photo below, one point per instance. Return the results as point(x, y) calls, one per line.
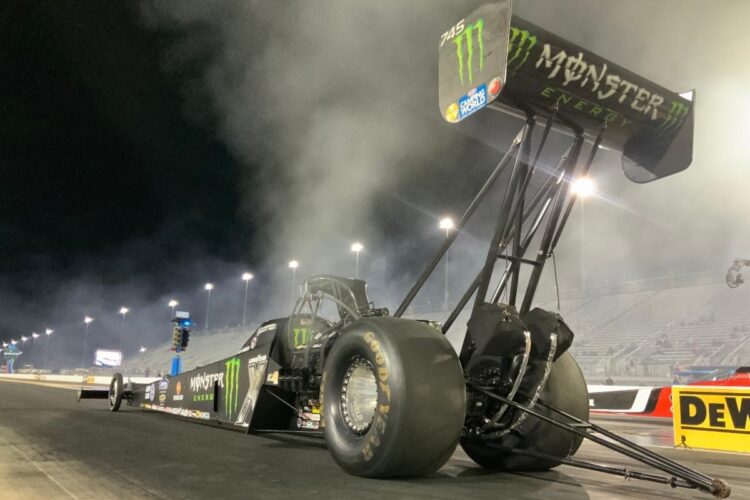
point(716, 418)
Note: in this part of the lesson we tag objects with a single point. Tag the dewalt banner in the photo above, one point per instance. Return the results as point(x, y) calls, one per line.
point(716, 418)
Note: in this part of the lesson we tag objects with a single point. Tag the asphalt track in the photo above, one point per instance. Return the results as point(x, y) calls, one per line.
point(52, 447)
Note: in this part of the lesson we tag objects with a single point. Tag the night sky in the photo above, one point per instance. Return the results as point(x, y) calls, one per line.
point(113, 171)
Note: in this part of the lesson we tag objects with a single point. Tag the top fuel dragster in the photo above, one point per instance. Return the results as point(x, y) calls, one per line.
point(390, 395)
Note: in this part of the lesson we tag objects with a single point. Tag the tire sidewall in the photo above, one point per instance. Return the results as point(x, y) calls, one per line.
point(368, 451)
point(116, 385)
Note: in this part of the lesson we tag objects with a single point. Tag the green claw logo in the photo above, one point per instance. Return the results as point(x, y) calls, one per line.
point(301, 337)
point(231, 388)
point(678, 112)
point(521, 43)
point(467, 37)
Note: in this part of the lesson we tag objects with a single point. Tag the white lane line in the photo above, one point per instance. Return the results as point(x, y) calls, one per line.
point(32, 462)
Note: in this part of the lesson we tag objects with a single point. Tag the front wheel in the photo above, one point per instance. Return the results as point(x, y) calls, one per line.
point(393, 399)
point(116, 390)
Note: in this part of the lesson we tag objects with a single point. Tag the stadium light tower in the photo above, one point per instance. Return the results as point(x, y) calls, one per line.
point(172, 303)
point(209, 288)
point(123, 310)
point(582, 188)
point(356, 248)
point(88, 321)
point(246, 277)
point(47, 332)
point(293, 265)
point(34, 336)
point(446, 223)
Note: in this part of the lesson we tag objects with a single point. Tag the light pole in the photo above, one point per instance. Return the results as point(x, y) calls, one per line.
point(356, 248)
point(88, 321)
point(208, 287)
point(47, 332)
point(24, 338)
point(447, 224)
point(583, 188)
point(123, 310)
point(172, 303)
point(293, 265)
point(34, 336)
point(246, 277)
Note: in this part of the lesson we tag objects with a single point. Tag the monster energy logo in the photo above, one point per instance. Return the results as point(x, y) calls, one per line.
point(301, 337)
point(467, 37)
point(677, 113)
point(521, 43)
point(231, 386)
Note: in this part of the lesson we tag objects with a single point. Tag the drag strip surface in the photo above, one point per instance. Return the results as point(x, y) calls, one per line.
point(53, 447)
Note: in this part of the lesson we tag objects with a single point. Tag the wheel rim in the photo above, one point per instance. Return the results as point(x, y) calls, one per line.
point(359, 395)
point(113, 388)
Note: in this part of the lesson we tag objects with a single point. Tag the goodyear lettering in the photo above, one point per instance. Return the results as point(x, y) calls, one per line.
point(383, 408)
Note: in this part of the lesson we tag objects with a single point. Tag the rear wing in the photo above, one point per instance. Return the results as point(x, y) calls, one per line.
point(491, 57)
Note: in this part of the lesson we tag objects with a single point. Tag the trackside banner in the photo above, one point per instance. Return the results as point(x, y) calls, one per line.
point(716, 418)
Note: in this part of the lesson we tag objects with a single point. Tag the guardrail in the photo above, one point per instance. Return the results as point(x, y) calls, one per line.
point(71, 379)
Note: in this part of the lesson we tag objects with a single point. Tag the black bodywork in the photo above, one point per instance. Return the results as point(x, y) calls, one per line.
point(274, 382)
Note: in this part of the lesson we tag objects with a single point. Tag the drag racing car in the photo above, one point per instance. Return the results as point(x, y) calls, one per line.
point(390, 395)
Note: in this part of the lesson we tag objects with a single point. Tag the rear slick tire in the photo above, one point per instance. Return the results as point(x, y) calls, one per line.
point(393, 398)
point(565, 390)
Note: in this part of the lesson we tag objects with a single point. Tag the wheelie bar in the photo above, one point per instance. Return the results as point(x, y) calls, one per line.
point(682, 476)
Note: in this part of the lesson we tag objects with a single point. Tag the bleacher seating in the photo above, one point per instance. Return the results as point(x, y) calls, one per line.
point(648, 331)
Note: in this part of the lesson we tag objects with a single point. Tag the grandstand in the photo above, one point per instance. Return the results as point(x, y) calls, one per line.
point(647, 328)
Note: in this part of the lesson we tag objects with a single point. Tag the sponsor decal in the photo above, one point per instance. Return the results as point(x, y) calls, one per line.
point(256, 370)
point(232, 386)
point(301, 337)
point(472, 102)
point(149, 392)
point(451, 113)
point(572, 69)
point(162, 398)
point(203, 415)
point(676, 114)
point(383, 408)
point(712, 417)
point(273, 378)
point(178, 388)
point(267, 328)
point(310, 425)
point(463, 36)
point(205, 381)
point(494, 87)
point(163, 385)
point(519, 47)
point(206, 396)
point(177, 397)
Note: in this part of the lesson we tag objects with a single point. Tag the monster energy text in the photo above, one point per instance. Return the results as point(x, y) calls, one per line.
point(231, 388)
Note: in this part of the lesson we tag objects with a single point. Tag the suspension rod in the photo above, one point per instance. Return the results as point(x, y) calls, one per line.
point(510, 154)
